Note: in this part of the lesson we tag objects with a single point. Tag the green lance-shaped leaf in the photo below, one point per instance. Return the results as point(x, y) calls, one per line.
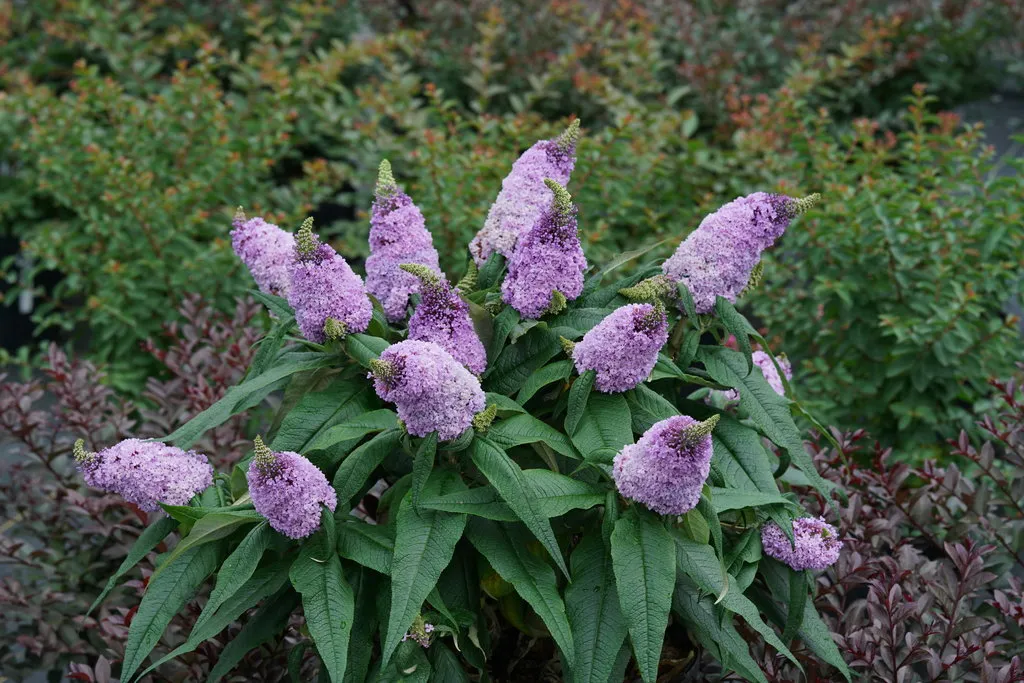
point(424, 543)
point(165, 595)
point(360, 463)
point(506, 548)
point(422, 465)
point(592, 604)
point(237, 569)
point(327, 603)
point(210, 528)
point(266, 625)
point(645, 570)
point(578, 395)
point(508, 480)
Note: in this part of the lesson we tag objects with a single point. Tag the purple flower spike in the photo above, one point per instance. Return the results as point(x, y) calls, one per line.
point(719, 257)
point(432, 390)
point(523, 198)
point(817, 544)
point(325, 291)
point(442, 317)
point(547, 266)
point(145, 473)
point(666, 469)
point(266, 250)
point(398, 235)
point(288, 490)
point(623, 348)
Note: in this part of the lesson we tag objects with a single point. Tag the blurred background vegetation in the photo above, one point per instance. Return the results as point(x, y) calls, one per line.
point(130, 129)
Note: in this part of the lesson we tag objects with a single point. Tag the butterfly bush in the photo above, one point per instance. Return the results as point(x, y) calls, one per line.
point(442, 317)
point(266, 250)
point(146, 473)
point(815, 545)
point(666, 469)
point(623, 348)
point(432, 390)
point(288, 490)
point(523, 196)
point(527, 452)
point(547, 267)
point(719, 257)
point(398, 234)
point(325, 292)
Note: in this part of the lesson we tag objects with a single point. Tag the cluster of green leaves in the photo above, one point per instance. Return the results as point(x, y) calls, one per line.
point(894, 292)
point(518, 521)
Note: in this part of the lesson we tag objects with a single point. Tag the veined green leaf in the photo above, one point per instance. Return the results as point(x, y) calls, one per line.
point(327, 603)
point(578, 395)
point(552, 372)
point(210, 528)
point(360, 464)
point(644, 564)
point(519, 361)
point(446, 666)
point(740, 457)
point(604, 428)
point(370, 545)
point(165, 595)
point(422, 465)
point(275, 304)
point(237, 569)
point(736, 325)
point(505, 547)
point(647, 407)
point(504, 323)
point(267, 624)
point(522, 429)
point(364, 348)
point(344, 400)
point(592, 605)
point(737, 499)
point(553, 495)
point(424, 543)
point(506, 477)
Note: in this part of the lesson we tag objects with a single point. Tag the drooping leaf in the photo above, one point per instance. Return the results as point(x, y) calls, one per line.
point(605, 427)
point(508, 480)
point(736, 325)
point(360, 463)
point(504, 323)
point(275, 304)
point(647, 407)
point(505, 547)
point(424, 543)
point(371, 545)
point(269, 346)
point(327, 603)
point(165, 595)
point(740, 457)
point(552, 372)
point(422, 465)
point(509, 372)
point(209, 529)
point(446, 666)
point(367, 590)
point(737, 499)
point(522, 429)
point(147, 540)
point(645, 568)
point(244, 396)
point(553, 495)
point(364, 348)
point(592, 605)
point(237, 569)
point(318, 412)
point(267, 624)
point(578, 395)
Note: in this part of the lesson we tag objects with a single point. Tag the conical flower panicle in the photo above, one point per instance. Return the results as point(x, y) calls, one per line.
point(146, 473)
point(547, 266)
point(442, 317)
point(718, 258)
point(623, 348)
point(667, 467)
point(523, 197)
point(432, 390)
point(288, 490)
point(266, 250)
point(323, 287)
point(398, 234)
point(816, 544)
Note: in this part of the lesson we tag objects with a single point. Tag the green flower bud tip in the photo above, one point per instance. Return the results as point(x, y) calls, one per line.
point(482, 420)
point(569, 137)
point(382, 370)
point(334, 329)
point(81, 455)
point(239, 216)
point(563, 200)
point(386, 185)
point(425, 275)
point(755, 278)
point(468, 282)
point(804, 205)
point(568, 345)
point(695, 433)
point(651, 289)
point(558, 303)
point(262, 455)
point(305, 241)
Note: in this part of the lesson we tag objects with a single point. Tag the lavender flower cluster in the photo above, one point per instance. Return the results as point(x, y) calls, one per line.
point(432, 390)
point(266, 250)
point(442, 317)
point(623, 348)
point(718, 258)
point(325, 288)
point(666, 469)
point(816, 544)
point(547, 266)
point(288, 490)
point(522, 198)
point(146, 473)
point(398, 235)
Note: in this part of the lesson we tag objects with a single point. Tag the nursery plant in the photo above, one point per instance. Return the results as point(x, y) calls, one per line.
point(540, 464)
